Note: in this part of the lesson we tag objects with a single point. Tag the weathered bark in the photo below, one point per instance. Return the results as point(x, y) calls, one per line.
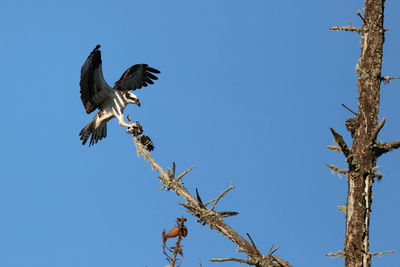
point(363, 159)
point(364, 128)
point(209, 216)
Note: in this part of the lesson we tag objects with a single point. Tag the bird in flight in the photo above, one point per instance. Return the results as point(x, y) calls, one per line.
point(111, 101)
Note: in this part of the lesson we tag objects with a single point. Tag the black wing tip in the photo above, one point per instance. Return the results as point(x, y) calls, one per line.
point(97, 47)
point(146, 142)
point(153, 70)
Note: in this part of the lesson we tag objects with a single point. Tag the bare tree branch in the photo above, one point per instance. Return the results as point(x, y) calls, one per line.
point(339, 254)
point(380, 254)
point(184, 173)
point(337, 169)
point(342, 144)
point(349, 28)
point(234, 259)
point(205, 215)
point(359, 14)
point(220, 196)
point(254, 245)
point(280, 262)
point(377, 130)
point(388, 79)
point(334, 148)
point(349, 109)
point(382, 148)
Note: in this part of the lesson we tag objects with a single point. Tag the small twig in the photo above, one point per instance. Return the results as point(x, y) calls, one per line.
point(270, 249)
point(254, 245)
point(225, 214)
point(342, 209)
point(337, 169)
point(388, 79)
point(273, 251)
point(359, 14)
point(339, 254)
point(220, 196)
point(346, 28)
point(334, 148)
point(349, 109)
point(184, 173)
point(173, 170)
point(377, 130)
point(380, 254)
point(199, 199)
point(234, 259)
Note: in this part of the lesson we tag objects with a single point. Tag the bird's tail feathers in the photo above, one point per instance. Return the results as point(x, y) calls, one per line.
point(96, 133)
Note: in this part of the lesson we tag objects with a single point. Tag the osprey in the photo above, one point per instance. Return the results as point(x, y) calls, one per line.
point(111, 101)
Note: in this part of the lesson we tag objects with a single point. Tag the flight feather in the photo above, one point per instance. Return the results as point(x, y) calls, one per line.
point(93, 85)
point(136, 77)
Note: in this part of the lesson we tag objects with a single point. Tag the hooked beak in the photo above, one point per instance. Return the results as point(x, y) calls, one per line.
point(137, 102)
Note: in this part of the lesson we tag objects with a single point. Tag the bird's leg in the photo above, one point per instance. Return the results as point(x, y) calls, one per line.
point(122, 122)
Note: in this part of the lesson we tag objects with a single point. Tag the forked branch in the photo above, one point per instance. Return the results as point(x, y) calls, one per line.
point(220, 196)
point(208, 216)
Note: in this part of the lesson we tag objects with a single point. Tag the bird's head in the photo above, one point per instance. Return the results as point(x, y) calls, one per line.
point(132, 98)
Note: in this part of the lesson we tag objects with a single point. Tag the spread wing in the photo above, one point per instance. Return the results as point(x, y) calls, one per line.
point(93, 87)
point(136, 77)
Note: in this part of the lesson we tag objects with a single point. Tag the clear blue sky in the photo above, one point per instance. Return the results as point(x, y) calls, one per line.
point(247, 92)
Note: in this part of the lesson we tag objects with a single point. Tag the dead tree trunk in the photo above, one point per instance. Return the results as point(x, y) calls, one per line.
point(361, 172)
point(364, 128)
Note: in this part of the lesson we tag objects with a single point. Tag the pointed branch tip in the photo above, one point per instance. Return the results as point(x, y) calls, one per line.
point(377, 130)
point(342, 144)
point(334, 148)
point(254, 245)
point(220, 196)
point(184, 173)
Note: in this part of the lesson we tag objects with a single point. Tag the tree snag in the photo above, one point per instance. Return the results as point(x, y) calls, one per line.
point(362, 156)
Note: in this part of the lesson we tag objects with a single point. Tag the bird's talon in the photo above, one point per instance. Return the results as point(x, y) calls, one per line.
point(135, 129)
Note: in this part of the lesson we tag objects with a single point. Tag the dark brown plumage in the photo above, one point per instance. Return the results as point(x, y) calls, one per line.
point(89, 84)
point(136, 77)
